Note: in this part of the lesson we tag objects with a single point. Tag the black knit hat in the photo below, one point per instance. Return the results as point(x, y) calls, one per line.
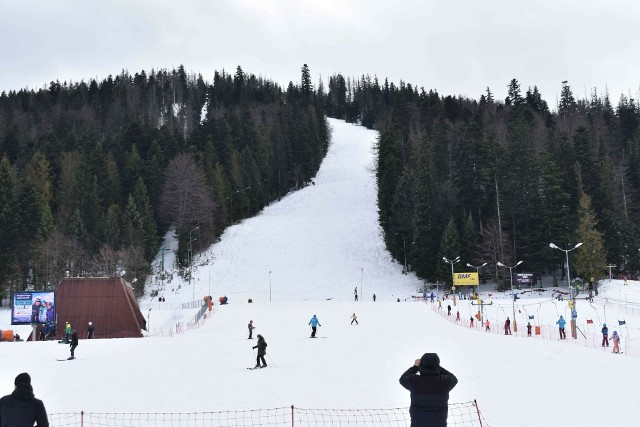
point(429, 362)
point(23, 378)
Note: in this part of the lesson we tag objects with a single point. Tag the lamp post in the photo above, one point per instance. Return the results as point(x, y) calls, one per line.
point(404, 245)
point(610, 266)
point(478, 272)
point(190, 261)
point(163, 250)
point(269, 285)
point(453, 283)
point(513, 300)
point(572, 296)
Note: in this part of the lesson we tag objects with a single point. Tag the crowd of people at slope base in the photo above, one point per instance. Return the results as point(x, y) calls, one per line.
point(561, 322)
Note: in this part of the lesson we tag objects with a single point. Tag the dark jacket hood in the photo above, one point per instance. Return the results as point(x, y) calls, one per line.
point(23, 391)
point(429, 364)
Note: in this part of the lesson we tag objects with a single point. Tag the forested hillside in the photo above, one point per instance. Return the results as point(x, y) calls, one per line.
point(93, 173)
point(497, 181)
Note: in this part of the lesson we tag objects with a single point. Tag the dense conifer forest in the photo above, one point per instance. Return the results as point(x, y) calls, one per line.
point(93, 174)
point(499, 180)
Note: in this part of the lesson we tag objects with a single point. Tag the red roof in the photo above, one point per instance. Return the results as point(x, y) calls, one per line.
point(108, 302)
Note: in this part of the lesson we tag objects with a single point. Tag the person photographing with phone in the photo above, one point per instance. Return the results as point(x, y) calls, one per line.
point(429, 384)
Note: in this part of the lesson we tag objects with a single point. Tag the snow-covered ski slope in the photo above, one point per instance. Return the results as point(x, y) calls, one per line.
point(321, 243)
point(317, 243)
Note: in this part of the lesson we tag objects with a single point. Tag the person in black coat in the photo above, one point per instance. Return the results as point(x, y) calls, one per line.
point(90, 331)
point(74, 342)
point(21, 408)
point(429, 384)
point(262, 350)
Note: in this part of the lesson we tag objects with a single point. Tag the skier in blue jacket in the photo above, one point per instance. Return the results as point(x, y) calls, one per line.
point(561, 322)
point(314, 322)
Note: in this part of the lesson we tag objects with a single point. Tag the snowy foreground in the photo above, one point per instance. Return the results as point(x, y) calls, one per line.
point(304, 256)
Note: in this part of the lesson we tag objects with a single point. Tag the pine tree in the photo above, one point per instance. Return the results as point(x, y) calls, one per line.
point(514, 97)
point(567, 101)
point(450, 249)
point(590, 260)
point(8, 224)
point(306, 87)
point(426, 216)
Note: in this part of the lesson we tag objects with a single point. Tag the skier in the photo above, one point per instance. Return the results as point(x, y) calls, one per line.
point(262, 350)
point(74, 343)
point(314, 322)
point(486, 325)
point(354, 319)
point(251, 328)
point(429, 391)
point(439, 304)
point(507, 327)
point(67, 332)
point(90, 330)
point(432, 296)
point(374, 297)
point(605, 335)
point(561, 322)
point(448, 309)
point(471, 322)
point(528, 328)
point(355, 294)
point(457, 315)
point(616, 342)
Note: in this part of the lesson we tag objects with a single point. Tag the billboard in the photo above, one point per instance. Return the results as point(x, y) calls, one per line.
point(528, 279)
point(33, 307)
point(465, 279)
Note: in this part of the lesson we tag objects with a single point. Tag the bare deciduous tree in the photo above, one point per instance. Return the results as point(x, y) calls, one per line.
point(491, 247)
point(135, 266)
point(186, 201)
point(106, 262)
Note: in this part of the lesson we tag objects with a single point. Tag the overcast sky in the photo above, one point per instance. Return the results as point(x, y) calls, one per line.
point(458, 47)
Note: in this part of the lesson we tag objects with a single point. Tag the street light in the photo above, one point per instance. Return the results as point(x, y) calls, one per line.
point(404, 251)
point(478, 271)
point(163, 250)
point(190, 261)
point(453, 283)
point(572, 295)
point(513, 300)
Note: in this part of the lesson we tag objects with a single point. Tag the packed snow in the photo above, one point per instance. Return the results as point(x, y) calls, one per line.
point(306, 255)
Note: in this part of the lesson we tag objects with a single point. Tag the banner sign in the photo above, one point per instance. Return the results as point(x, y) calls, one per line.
point(528, 279)
point(33, 307)
point(465, 279)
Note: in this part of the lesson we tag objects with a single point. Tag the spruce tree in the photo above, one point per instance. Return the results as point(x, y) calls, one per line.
point(8, 224)
point(450, 249)
point(590, 260)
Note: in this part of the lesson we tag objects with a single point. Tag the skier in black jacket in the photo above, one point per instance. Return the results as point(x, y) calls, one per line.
point(21, 408)
point(262, 350)
point(74, 342)
point(429, 391)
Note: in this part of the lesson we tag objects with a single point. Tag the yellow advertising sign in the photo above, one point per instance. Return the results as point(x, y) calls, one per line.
point(465, 279)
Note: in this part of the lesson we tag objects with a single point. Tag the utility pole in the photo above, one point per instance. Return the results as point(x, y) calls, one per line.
point(572, 294)
point(191, 262)
point(453, 279)
point(513, 298)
